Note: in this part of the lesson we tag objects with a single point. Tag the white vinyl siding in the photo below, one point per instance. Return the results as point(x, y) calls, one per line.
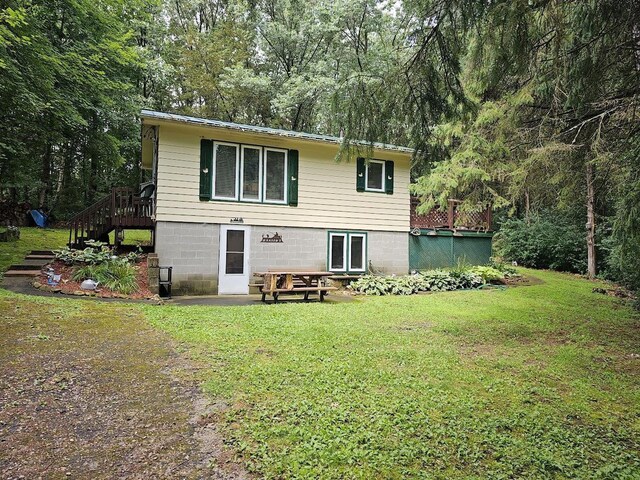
point(327, 197)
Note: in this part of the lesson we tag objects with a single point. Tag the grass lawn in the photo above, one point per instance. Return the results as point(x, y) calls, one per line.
point(529, 382)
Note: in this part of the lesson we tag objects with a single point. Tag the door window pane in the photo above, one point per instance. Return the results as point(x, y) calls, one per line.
point(375, 175)
point(356, 254)
point(235, 263)
point(235, 252)
point(225, 174)
point(275, 176)
point(337, 252)
point(251, 174)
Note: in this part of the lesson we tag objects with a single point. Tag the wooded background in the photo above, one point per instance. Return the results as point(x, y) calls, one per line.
point(530, 105)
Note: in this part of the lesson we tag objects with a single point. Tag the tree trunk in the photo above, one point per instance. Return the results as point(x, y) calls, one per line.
point(591, 223)
point(45, 176)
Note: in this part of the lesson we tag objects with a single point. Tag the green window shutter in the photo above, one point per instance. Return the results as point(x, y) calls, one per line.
point(206, 169)
point(360, 175)
point(293, 178)
point(388, 180)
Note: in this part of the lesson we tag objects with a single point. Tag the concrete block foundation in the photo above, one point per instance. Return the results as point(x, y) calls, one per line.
point(192, 249)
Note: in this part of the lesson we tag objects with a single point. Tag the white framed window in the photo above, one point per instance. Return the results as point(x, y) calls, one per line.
point(357, 252)
point(225, 171)
point(374, 176)
point(347, 252)
point(251, 174)
point(337, 252)
point(275, 176)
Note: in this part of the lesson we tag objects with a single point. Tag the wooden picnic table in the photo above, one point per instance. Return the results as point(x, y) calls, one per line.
point(290, 281)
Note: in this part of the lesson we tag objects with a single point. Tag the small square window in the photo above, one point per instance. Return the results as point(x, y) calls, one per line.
point(374, 179)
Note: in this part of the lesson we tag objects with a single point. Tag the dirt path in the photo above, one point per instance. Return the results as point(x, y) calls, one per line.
point(89, 390)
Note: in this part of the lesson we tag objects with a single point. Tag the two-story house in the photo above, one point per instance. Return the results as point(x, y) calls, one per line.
point(234, 199)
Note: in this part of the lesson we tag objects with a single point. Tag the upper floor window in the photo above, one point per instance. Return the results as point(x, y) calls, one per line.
point(249, 173)
point(275, 185)
point(374, 177)
point(225, 171)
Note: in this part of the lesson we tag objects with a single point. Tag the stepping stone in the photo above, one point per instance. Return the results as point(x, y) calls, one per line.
point(40, 257)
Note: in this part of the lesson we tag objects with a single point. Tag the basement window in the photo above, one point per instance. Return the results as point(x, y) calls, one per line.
point(347, 252)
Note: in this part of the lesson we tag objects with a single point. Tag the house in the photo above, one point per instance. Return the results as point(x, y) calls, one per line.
point(234, 199)
point(227, 200)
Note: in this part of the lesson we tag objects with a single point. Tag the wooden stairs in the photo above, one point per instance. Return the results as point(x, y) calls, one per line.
point(32, 264)
point(122, 209)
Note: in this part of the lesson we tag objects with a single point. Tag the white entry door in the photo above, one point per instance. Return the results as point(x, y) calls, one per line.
point(233, 277)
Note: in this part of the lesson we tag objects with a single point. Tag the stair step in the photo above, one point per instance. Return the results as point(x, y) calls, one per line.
point(37, 262)
point(22, 273)
point(41, 252)
point(40, 257)
point(23, 267)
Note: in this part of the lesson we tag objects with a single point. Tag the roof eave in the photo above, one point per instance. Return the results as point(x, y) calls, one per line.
point(203, 122)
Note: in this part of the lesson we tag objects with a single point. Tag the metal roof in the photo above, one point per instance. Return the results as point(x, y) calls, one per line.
point(264, 130)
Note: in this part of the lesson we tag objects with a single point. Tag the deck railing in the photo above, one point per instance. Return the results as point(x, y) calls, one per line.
point(122, 208)
point(451, 218)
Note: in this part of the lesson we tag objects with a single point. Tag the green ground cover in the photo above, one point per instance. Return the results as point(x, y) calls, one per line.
point(530, 382)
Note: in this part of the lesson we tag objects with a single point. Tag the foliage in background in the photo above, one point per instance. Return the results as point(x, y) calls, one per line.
point(546, 241)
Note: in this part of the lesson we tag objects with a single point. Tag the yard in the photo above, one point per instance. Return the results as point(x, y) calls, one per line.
point(537, 381)
point(527, 382)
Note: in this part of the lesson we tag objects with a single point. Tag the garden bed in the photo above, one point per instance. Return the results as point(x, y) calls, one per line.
point(69, 286)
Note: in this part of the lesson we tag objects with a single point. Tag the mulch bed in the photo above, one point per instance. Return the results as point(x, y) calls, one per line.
point(70, 287)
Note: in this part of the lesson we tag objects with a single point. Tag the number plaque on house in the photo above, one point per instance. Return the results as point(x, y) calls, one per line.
point(236, 220)
point(275, 238)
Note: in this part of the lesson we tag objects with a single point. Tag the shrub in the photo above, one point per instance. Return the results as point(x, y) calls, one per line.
point(430, 281)
point(116, 275)
point(506, 269)
point(489, 274)
point(545, 242)
point(94, 254)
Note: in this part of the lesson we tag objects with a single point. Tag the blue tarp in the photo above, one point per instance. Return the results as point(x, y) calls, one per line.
point(40, 218)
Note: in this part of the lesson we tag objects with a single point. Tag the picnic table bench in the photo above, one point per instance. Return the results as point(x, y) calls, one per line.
point(278, 282)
